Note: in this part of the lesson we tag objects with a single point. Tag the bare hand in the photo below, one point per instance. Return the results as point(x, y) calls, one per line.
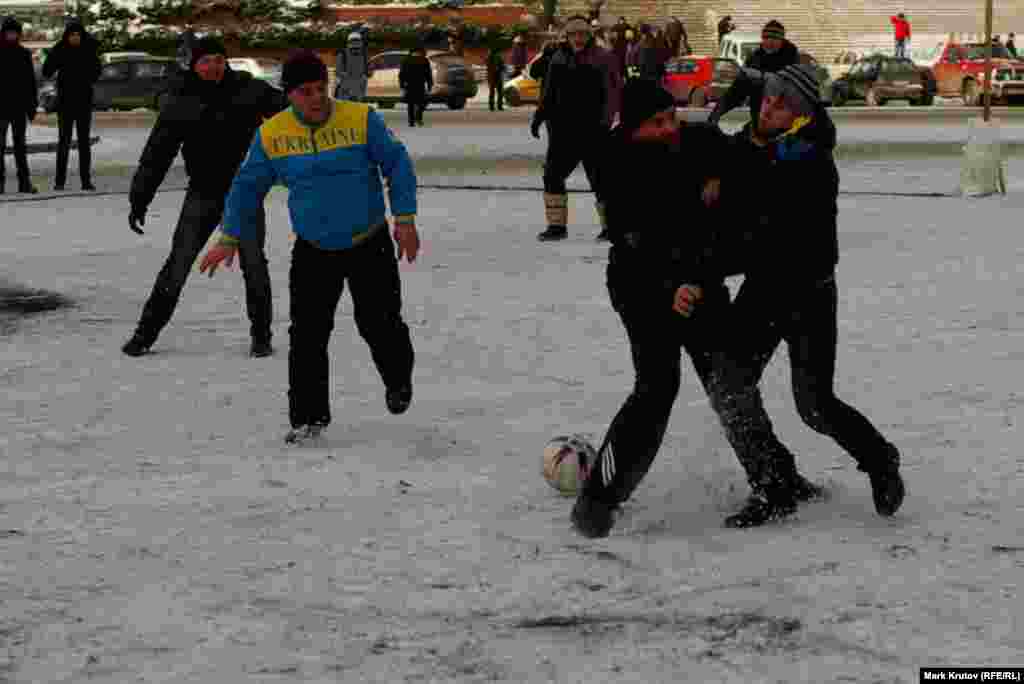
point(712, 190)
point(408, 241)
point(686, 298)
point(215, 255)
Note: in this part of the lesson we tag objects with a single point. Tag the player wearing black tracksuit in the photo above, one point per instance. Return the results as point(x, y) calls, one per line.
point(784, 187)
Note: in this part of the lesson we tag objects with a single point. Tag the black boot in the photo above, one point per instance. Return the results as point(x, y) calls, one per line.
point(804, 490)
point(138, 345)
point(553, 233)
point(27, 189)
point(261, 348)
point(762, 507)
point(887, 488)
point(593, 518)
point(399, 399)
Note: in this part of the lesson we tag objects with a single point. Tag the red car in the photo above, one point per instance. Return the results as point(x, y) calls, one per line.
point(688, 79)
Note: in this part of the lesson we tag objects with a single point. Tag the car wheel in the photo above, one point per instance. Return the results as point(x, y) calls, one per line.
point(970, 94)
point(872, 98)
point(512, 98)
point(698, 98)
point(838, 98)
point(457, 103)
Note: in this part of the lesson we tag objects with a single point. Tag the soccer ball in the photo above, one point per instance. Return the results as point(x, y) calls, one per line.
point(567, 462)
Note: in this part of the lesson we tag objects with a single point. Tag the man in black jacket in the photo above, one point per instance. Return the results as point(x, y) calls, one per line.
point(581, 95)
point(416, 78)
point(76, 61)
point(19, 103)
point(774, 54)
point(211, 116)
point(785, 183)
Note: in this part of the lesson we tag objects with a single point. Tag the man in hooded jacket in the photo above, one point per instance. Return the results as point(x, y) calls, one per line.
point(19, 103)
point(774, 54)
point(210, 116)
point(75, 59)
point(789, 294)
point(582, 93)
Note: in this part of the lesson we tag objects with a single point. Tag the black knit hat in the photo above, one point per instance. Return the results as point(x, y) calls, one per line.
point(774, 29)
point(302, 66)
point(641, 99)
point(11, 24)
point(207, 45)
point(798, 85)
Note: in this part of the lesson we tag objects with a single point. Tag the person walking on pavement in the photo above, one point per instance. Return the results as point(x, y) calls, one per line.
point(580, 101)
point(775, 53)
point(212, 109)
point(330, 155)
point(495, 78)
point(785, 184)
point(416, 80)
point(901, 32)
point(19, 104)
point(75, 59)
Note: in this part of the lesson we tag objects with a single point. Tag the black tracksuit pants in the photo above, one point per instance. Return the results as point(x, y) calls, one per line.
point(18, 125)
point(657, 334)
point(75, 119)
point(200, 215)
point(568, 146)
point(317, 279)
point(416, 104)
point(805, 319)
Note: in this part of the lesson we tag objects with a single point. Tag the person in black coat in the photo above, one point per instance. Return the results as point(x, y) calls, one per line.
point(416, 79)
point(784, 185)
point(210, 116)
point(774, 54)
point(19, 103)
point(75, 60)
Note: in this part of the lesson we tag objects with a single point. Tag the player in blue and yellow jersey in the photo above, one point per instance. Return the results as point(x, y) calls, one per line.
point(330, 155)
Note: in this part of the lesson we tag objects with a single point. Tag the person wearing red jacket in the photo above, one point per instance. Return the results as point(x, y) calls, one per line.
point(902, 29)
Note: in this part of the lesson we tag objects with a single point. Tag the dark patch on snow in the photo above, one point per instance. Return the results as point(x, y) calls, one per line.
point(17, 302)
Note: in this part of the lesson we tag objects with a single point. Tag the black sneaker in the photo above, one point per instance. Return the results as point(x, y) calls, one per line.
point(759, 509)
point(58, 187)
point(887, 488)
point(261, 349)
point(399, 399)
point(592, 518)
point(553, 233)
point(88, 187)
point(136, 346)
point(303, 434)
point(28, 190)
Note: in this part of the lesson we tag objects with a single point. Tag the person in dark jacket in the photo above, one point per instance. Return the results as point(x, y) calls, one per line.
point(416, 80)
point(75, 59)
point(495, 78)
point(581, 97)
point(785, 183)
point(520, 55)
point(210, 116)
point(725, 27)
point(774, 54)
point(19, 103)
point(539, 68)
point(657, 273)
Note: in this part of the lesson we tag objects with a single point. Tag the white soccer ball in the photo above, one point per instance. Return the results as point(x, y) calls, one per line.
point(567, 462)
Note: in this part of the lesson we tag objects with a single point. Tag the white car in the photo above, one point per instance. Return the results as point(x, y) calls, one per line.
point(268, 70)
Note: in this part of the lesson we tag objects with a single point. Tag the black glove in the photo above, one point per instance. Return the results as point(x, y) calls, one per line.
point(136, 218)
point(535, 127)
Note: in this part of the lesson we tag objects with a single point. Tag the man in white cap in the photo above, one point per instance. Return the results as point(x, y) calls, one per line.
point(581, 99)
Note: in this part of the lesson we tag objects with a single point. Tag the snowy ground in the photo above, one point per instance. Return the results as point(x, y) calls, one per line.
point(154, 529)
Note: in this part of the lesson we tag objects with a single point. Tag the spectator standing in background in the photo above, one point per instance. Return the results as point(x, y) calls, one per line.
point(19, 103)
point(519, 56)
point(901, 29)
point(1010, 46)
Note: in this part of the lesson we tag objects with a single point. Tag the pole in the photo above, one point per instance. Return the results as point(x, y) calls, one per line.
point(988, 60)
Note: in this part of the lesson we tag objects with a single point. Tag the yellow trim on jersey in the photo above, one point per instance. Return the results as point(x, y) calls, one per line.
point(284, 135)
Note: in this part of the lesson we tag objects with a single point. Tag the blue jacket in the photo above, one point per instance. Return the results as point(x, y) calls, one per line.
point(332, 173)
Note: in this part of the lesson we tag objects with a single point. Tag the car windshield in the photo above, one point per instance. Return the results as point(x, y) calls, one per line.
point(974, 52)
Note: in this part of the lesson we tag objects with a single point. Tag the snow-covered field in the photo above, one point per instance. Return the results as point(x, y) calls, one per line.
point(153, 528)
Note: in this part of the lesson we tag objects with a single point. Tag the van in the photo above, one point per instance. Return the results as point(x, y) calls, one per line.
point(739, 46)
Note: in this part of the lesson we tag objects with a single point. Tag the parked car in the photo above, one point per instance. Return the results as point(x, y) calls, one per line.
point(453, 79)
point(1008, 84)
point(960, 72)
point(879, 78)
point(688, 78)
point(523, 89)
point(268, 70)
point(108, 57)
point(739, 46)
point(125, 84)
